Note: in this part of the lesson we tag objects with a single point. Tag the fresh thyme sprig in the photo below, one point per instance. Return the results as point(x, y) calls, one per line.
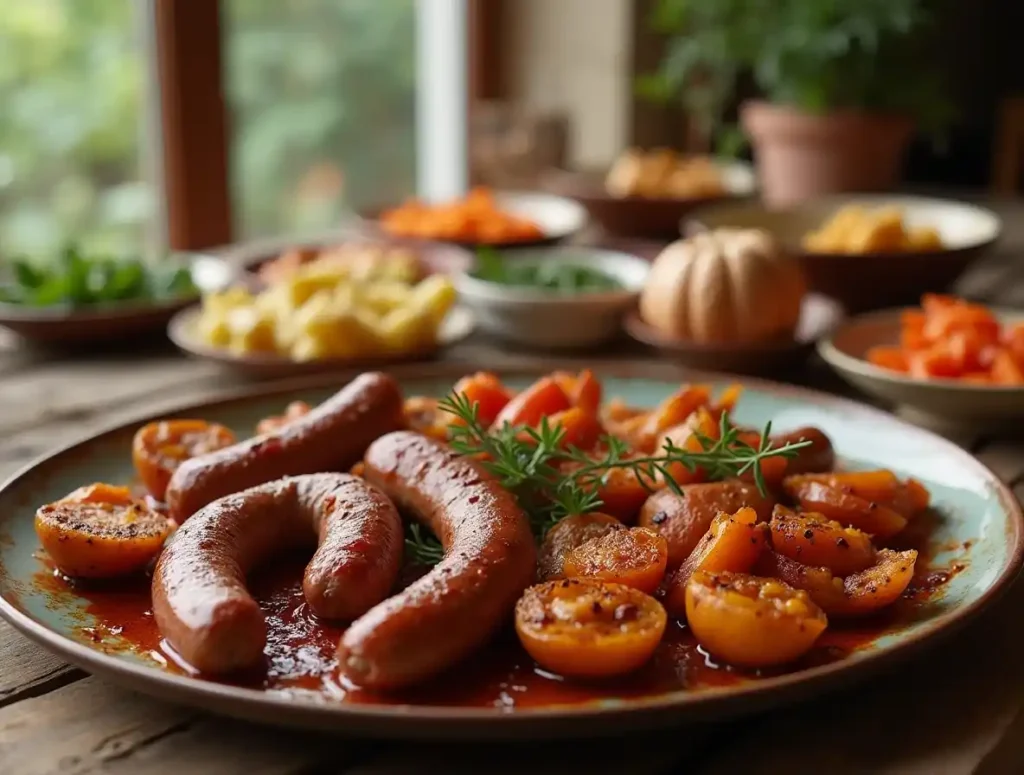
point(422, 548)
point(526, 461)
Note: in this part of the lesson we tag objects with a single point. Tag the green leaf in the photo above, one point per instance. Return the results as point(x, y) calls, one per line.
point(26, 275)
point(53, 291)
point(178, 283)
point(125, 280)
point(76, 276)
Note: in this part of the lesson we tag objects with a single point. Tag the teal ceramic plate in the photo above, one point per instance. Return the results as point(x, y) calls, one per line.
point(979, 531)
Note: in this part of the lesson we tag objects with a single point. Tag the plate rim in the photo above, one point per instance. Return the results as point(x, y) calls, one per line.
point(406, 721)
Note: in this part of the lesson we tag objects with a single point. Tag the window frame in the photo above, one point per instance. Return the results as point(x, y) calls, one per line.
point(194, 125)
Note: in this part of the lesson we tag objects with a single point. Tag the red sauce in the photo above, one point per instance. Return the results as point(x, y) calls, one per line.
point(300, 652)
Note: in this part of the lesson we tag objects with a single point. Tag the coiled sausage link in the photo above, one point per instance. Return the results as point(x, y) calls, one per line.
point(200, 601)
point(332, 437)
point(490, 558)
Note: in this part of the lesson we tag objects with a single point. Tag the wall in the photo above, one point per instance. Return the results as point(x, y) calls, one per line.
point(574, 56)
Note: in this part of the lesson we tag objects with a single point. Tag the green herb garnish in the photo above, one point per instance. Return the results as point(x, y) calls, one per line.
point(527, 462)
point(562, 277)
point(75, 279)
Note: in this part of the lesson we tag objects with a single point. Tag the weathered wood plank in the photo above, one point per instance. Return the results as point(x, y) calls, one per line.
point(92, 726)
point(26, 670)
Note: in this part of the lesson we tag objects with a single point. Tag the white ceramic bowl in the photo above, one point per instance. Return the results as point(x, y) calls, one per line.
point(551, 320)
point(936, 401)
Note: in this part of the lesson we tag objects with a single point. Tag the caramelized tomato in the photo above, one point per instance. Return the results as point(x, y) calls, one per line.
point(583, 389)
point(845, 506)
point(423, 415)
point(858, 594)
point(906, 498)
point(750, 621)
point(543, 398)
point(100, 531)
point(486, 391)
point(566, 535)
point(636, 558)
point(732, 543)
point(684, 519)
point(292, 412)
point(160, 447)
point(814, 540)
point(588, 629)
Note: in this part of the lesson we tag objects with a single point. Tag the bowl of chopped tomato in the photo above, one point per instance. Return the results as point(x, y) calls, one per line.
point(948, 358)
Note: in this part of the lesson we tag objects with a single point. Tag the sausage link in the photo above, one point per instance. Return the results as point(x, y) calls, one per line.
point(817, 458)
point(332, 437)
point(490, 558)
point(200, 601)
point(684, 519)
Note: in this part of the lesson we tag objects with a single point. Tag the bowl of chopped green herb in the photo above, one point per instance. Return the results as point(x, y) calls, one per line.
point(80, 297)
point(558, 297)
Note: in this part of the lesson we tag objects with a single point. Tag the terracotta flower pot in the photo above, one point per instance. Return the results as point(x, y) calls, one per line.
point(800, 155)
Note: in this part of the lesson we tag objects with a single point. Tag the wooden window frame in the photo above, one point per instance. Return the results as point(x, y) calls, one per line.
point(193, 116)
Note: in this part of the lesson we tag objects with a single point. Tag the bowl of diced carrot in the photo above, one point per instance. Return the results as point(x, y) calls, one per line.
point(485, 217)
point(949, 358)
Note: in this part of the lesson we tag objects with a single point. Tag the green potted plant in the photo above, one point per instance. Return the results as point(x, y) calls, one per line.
point(843, 84)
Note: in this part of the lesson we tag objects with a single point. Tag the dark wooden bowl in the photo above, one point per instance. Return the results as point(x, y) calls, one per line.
point(874, 280)
point(636, 216)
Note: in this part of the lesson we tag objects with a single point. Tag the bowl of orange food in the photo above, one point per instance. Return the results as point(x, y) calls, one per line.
point(947, 360)
point(647, 193)
point(485, 217)
point(871, 251)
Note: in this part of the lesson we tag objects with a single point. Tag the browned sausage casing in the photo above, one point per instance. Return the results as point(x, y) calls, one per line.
point(817, 458)
point(684, 519)
point(200, 601)
point(490, 558)
point(332, 437)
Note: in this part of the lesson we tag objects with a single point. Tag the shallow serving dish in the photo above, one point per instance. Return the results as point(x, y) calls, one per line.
point(637, 216)
point(977, 529)
point(938, 401)
point(818, 315)
point(458, 324)
point(874, 280)
point(58, 325)
point(436, 258)
point(550, 320)
point(558, 217)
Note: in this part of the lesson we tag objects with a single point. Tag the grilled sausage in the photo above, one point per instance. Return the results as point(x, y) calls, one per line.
point(200, 601)
point(332, 437)
point(684, 519)
point(816, 458)
point(490, 558)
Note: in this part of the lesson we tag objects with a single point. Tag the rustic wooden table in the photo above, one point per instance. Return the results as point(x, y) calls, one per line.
point(959, 708)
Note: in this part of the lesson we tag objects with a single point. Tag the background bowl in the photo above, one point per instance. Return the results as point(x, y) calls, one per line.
point(636, 216)
point(558, 217)
point(60, 325)
point(436, 257)
point(550, 320)
point(936, 401)
point(818, 315)
point(872, 280)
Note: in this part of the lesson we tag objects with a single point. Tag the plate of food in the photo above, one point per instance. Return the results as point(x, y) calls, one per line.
point(948, 361)
point(80, 297)
point(730, 299)
point(484, 217)
point(584, 555)
point(354, 304)
point(871, 251)
point(647, 193)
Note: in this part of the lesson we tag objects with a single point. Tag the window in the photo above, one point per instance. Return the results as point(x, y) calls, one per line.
point(73, 135)
point(322, 97)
